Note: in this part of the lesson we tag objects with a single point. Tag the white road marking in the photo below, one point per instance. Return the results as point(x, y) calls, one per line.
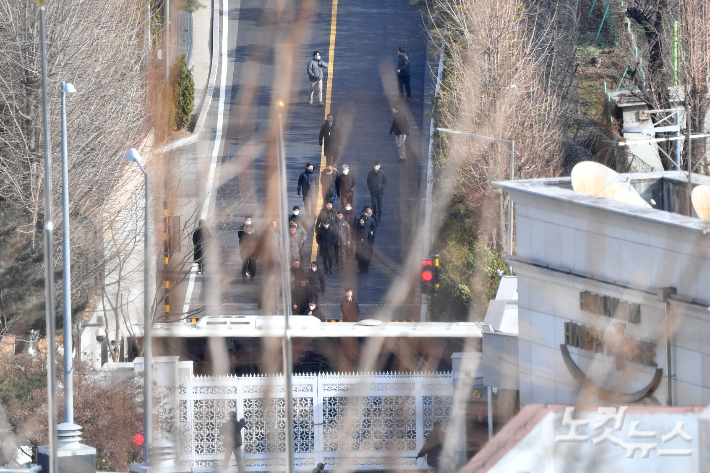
point(217, 140)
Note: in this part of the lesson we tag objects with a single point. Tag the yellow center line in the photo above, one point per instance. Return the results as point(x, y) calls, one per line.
point(328, 95)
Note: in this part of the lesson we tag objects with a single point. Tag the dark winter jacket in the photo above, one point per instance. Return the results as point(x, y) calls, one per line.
point(399, 125)
point(328, 183)
point(231, 432)
point(248, 244)
point(315, 69)
point(349, 309)
point(349, 216)
point(343, 232)
point(307, 182)
point(376, 181)
point(315, 312)
point(315, 279)
point(326, 216)
point(329, 138)
point(302, 295)
point(403, 65)
point(363, 240)
point(346, 185)
point(432, 449)
point(200, 239)
point(327, 241)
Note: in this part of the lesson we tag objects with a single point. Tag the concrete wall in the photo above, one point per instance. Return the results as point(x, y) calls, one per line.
point(564, 248)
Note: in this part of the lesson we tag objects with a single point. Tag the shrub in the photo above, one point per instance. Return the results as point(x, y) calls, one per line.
point(184, 93)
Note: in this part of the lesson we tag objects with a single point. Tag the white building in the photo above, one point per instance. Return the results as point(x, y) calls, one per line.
point(599, 282)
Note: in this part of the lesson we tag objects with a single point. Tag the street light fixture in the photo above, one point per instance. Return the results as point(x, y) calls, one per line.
point(510, 144)
point(134, 156)
point(67, 88)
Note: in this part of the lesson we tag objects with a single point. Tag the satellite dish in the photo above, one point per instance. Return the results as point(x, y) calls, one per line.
point(700, 197)
point(598, 180)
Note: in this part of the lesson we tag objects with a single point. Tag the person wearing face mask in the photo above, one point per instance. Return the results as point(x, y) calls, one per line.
point(296, 271)
point(326, 215)
point(316, 279)
point(308, 187)
point(327, 245)
point(295, 216)
point(363, 245)
point(376, 181)
point(350, 217)
point(248, 246)
point(349, 307)
point(343, 232)
point(328, 178)
point(302, 292)
point(345, 187)
point(295, 241)
point(369, 221)
point(329, 138)
point(314, 309)
point(315, 76)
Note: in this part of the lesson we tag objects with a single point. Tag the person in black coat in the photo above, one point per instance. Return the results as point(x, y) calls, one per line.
point(363, 245)
point(329, 138)
point(327, 215)
point(349, 307)
point(400, 128)
point(313, 308)
point(370, 222)
point(308, 187)
point(327, 244)
point(231, 432)
point(302, 293)
point(345, 187)
point(403, 73)
point(328, 180)
point(376, 181)
point(316, 279)
point(200, 240)
point(248, 249)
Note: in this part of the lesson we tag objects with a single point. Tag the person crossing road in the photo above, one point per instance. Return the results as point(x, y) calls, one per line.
point(345, 187)
point(329, 138)
point(315, 76)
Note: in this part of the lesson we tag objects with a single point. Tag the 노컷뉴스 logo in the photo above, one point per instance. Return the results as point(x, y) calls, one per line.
point(609, 420)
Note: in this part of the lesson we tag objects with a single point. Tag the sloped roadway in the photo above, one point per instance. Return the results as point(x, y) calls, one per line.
point(367, 34)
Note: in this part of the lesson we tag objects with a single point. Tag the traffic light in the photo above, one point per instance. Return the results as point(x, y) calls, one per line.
point(430, 275)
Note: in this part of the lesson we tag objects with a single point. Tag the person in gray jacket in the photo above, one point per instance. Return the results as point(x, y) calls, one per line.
point(315, 76)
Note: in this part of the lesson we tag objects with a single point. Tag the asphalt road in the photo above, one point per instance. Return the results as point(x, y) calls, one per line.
point(367, 35)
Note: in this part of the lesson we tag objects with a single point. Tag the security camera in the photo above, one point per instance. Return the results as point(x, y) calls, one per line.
point(100, 334)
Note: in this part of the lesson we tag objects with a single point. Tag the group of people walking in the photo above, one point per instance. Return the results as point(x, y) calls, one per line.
point(340, 234)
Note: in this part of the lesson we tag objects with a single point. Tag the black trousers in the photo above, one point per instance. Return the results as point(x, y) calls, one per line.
point(404, 82)
point(347, 199)
point(363, 265)
point(327, 262)
point(249, 265)
point(376, 200)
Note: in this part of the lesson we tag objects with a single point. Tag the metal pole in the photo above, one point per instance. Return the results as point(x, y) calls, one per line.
point(66, 275)
point(49, 263)
point(147, 329)
point(510, 204)
point(166, 37)
point(690, 160)
point(150, 42)
point(677, 142)
point(490, 413)
point(286, 300)
point(669, 378)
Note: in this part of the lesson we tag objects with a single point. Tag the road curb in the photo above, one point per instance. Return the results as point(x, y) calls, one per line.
point(212, 79)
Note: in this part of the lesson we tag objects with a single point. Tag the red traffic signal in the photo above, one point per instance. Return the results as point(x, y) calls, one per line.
point(427, 276)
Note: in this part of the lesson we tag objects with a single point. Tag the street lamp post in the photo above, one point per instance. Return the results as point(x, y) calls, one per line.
point(49, 302)
point(67, 88)
point(510, 144)
point(134, 156)
point(286, 297)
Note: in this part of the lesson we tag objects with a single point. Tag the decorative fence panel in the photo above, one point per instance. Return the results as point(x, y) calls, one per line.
point(349, 420)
